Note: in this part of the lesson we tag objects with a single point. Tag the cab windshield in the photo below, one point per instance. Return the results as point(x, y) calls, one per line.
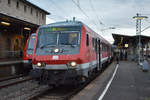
point(68, 39)
point(48, 39)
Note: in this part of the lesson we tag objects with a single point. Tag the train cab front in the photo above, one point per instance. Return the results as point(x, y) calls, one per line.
point(56, 69)
point(57, 55)
point(28, 53)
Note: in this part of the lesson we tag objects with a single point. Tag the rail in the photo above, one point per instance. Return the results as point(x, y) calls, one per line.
point(11, 77)
point(8, 83)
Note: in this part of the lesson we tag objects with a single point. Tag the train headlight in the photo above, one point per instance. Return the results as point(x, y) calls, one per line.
point(73, 64)
point(56, 50)
point(39, 64)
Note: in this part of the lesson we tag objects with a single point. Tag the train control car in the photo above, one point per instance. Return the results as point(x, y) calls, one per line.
point(28, 52)
point(68, 52)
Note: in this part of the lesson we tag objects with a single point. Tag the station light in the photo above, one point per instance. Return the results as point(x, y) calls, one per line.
point(5, 23)
point(140, 17)
point(126, 45)
point(27, 28)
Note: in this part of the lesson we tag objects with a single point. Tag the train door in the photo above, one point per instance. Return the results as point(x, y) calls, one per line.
point(99, 53)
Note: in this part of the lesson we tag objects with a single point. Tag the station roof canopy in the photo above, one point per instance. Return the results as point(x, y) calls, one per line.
point(16, 20)
point(126, 39)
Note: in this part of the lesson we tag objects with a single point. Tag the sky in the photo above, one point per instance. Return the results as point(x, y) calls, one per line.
point(100, 15)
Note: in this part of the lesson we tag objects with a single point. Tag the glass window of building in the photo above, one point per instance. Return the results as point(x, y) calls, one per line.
point(25, 8)
point(31, 11)
point(17, 5)
point(9, 2)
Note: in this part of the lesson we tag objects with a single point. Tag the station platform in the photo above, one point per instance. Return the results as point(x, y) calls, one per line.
point(129, 83)
point(8, 61)
point(10, 66)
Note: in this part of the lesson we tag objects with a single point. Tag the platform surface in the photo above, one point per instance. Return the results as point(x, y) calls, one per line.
point(129, 83)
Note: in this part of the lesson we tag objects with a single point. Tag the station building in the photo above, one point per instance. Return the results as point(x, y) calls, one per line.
point(129, 44)
point(18, 19)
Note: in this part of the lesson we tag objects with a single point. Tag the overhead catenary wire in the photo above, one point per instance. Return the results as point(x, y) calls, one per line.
point(94, 11)
point(91, 4)
point(56, 16)
point(97, 17)
point(84, 13)
point(77, 4)
point(60, 9)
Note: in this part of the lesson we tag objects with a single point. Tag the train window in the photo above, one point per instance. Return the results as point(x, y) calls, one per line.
point(102, 46)
point(87, 39)
point(105, 48)
point(47, 39)
point(93, 42)
point(96, 44)
point(68, 38)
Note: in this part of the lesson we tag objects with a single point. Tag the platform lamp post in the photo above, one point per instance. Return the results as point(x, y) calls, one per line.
point(139, 18)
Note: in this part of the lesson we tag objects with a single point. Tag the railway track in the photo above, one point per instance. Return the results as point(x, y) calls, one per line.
point(11, 77)
point(25, 88)
point(19, 88)
point(65, 92)
point(59, 93)
point(13, 81)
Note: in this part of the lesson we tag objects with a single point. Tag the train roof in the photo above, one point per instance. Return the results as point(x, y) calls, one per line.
point(64, 23)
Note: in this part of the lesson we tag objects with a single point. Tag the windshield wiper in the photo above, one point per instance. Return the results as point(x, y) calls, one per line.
point(45, 45)
point(72, 45)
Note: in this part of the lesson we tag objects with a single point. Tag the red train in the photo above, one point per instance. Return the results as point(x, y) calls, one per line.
point(66, 52)
point(28, 53)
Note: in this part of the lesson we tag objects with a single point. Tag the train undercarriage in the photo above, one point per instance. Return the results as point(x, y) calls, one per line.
point(61, 77)
point(58, 77)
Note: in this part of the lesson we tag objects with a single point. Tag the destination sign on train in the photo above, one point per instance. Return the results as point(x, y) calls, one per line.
point(50, 29)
